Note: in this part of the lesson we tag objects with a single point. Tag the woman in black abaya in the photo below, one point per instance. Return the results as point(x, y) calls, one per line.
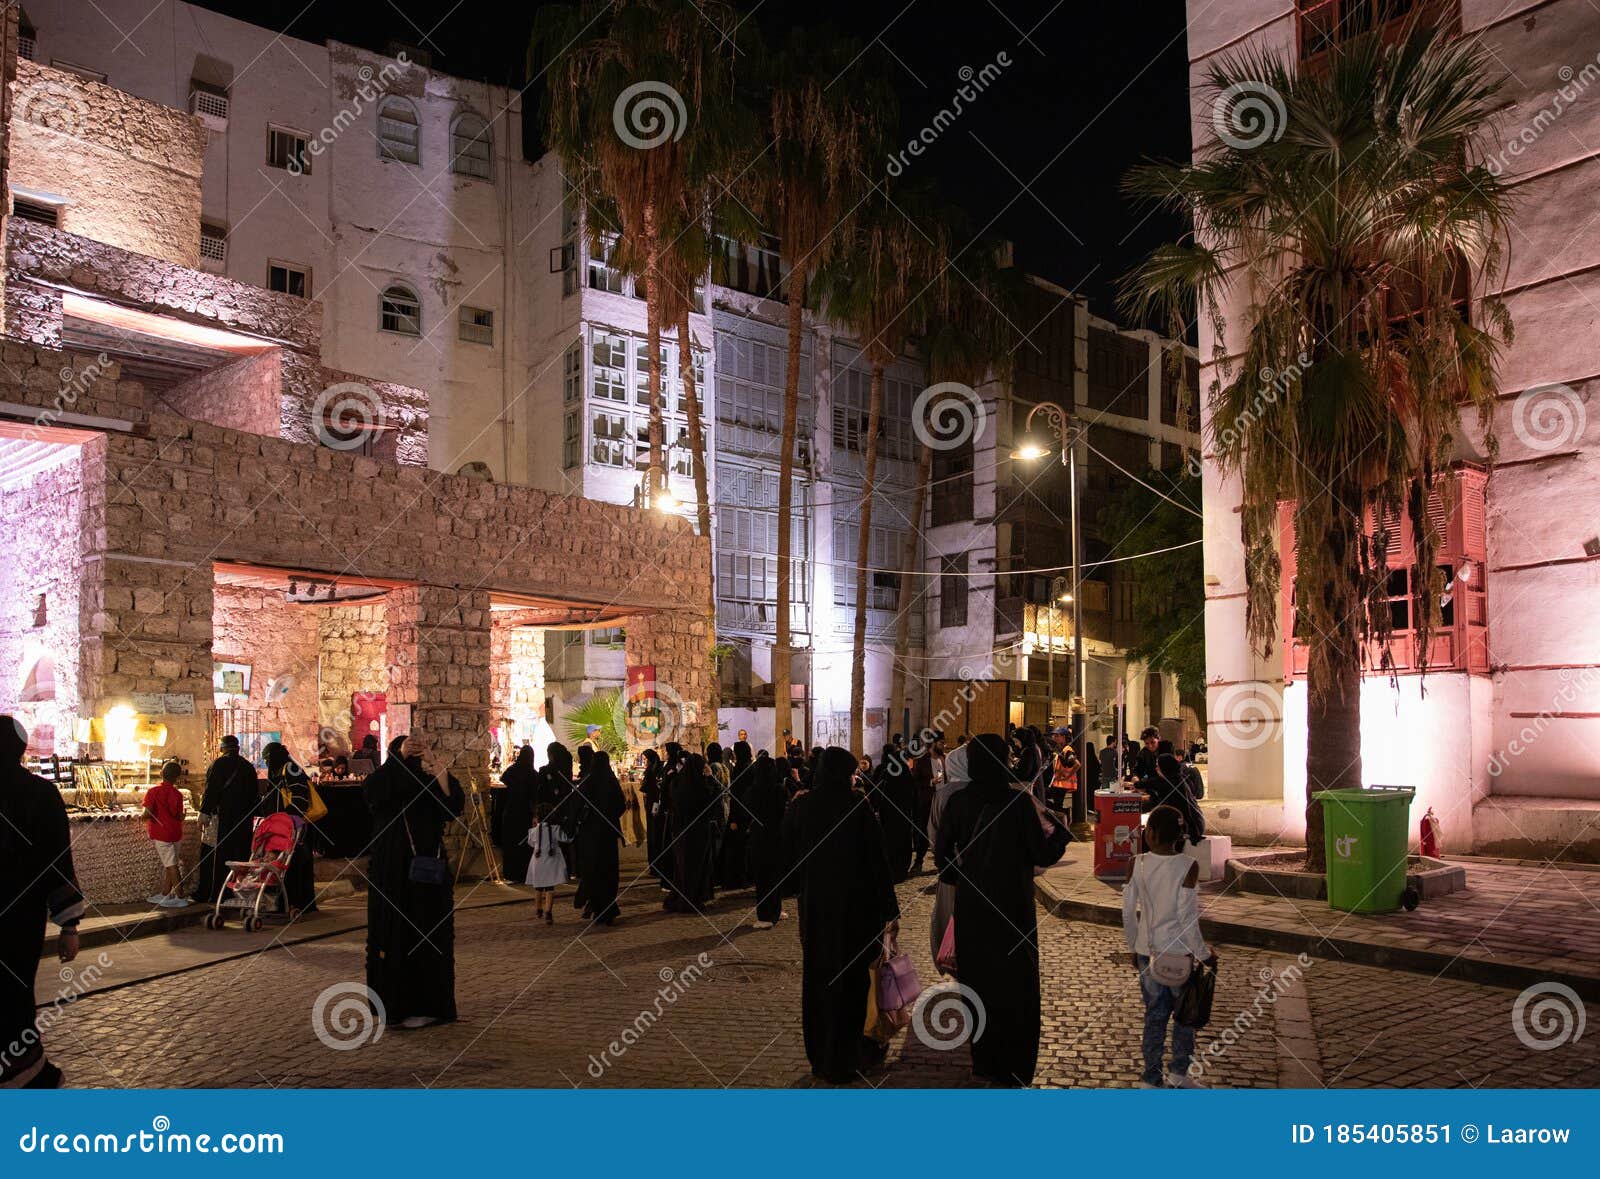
point(894, 797)
point(516, 815)
point(834, 846)
point(289, 791)
point(991, 836)
point(600, 805)
point(732, 870)
point(696, 809)
point(555, 797)
point(410, 923)
point(651, 788)
point(765, 799)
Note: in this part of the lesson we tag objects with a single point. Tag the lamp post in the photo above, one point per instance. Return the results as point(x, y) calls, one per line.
point(1065, 428)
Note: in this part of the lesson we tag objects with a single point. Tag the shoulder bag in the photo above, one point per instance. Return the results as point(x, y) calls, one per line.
point(425, 869)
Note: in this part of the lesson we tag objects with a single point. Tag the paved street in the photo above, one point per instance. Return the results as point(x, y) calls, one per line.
point(540, 1007)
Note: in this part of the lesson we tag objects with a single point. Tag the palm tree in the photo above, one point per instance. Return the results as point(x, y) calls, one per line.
point(1345, 242)
point(883, 288)
point(628, 88)
point(970, 342)
point(827, 107)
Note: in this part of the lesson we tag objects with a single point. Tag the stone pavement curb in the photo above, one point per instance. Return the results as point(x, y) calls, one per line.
point(1055, 894)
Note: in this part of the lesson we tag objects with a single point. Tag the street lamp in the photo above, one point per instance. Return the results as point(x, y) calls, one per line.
point(1060, 422)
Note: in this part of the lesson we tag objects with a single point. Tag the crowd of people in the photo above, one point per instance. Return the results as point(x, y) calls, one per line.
point(832, 831)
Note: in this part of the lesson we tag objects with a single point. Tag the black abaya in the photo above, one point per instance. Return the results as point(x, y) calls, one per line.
point(300, 881)
point(696, 808)
point(233, 795)
point(894, 797)
point(732, 868)
point(36, 881)
point(516, 818)
point(765, 800)
point(600, 804)
point(410, 925)
point(833, 844)
point(990, 840)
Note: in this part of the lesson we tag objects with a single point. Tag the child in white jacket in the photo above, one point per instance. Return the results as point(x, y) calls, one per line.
point(1161, 924)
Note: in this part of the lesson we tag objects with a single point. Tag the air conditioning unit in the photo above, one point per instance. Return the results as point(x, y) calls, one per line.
point(210, 108)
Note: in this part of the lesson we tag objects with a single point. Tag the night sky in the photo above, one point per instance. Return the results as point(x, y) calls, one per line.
point(1092, 89)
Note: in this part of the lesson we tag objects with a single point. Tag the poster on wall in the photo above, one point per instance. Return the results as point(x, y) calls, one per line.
point(230, 684)
point(251, 745)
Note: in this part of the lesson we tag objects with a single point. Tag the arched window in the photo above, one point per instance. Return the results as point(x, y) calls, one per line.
point(471, 146)
point(399, 137)
point(399, 310)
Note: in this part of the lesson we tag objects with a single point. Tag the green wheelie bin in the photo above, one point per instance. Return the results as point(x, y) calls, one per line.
point(1365, 834)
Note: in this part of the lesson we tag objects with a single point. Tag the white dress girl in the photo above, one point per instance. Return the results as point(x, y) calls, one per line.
point(547, 868)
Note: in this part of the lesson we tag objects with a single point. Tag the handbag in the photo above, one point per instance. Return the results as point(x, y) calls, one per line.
point(425, 869)
point(897, 984)
point(316, 808)
point(945, 960)
point(1193, 1008)
point(208, 829)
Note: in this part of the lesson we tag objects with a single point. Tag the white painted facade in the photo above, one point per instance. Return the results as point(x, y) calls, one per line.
point(1495, 755)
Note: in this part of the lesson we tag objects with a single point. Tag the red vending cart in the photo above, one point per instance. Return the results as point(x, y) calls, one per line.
point(1116, 832)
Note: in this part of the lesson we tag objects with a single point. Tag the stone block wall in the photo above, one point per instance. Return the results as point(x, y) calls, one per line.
point(354, 641)
point(40, 526)
point(516, 662)
point(242, 395)
point(130, 168)
point(159, 510)
point(279, 640)
point(52, 383)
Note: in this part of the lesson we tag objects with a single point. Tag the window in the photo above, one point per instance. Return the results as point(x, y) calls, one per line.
point(753, 269)
point(475, 325)
point(1118, 373)
point(400, 311)
point(953, 591)
point(612, 447)
point(610, 364)
point(289, 150)
point(852, 404)
point(602, 275)
point(213, 242)
point(399, 137)
point(572, 373)
point(952, 484)
point(289, 279)
point(608, 636)
point(27, 41)
point(571, 224)
point(1327, 23)
point(571, 440)
point(42, 212)
point(470, 152)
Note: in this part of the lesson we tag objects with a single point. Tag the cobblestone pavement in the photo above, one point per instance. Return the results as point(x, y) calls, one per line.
point(542, 1006)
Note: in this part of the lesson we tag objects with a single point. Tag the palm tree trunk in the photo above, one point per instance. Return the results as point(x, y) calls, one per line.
point(858, 649)
point(782, 659)
point(652, 313)
point(702, 497)
point(1333, 679)
point(909, 587)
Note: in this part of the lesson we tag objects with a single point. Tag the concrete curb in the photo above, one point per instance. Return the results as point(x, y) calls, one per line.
point(1471, 968)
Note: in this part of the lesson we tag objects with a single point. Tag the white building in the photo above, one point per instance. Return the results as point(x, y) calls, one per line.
point(1505, 744)
point(398, 197)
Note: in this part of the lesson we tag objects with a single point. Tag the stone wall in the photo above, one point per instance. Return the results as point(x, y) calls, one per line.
point(242, 394)
point(159, 510)
point(279, 641)
point(516, 667)
point(39, 535)
point(131, 169)
point(354, 642)
point(53, 383)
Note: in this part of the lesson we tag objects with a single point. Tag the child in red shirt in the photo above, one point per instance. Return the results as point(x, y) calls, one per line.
point(163, 816)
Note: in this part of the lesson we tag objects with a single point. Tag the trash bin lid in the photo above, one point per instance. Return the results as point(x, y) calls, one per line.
point(1367, 794)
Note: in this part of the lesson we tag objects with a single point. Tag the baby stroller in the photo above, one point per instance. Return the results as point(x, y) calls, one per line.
point(252, 880)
